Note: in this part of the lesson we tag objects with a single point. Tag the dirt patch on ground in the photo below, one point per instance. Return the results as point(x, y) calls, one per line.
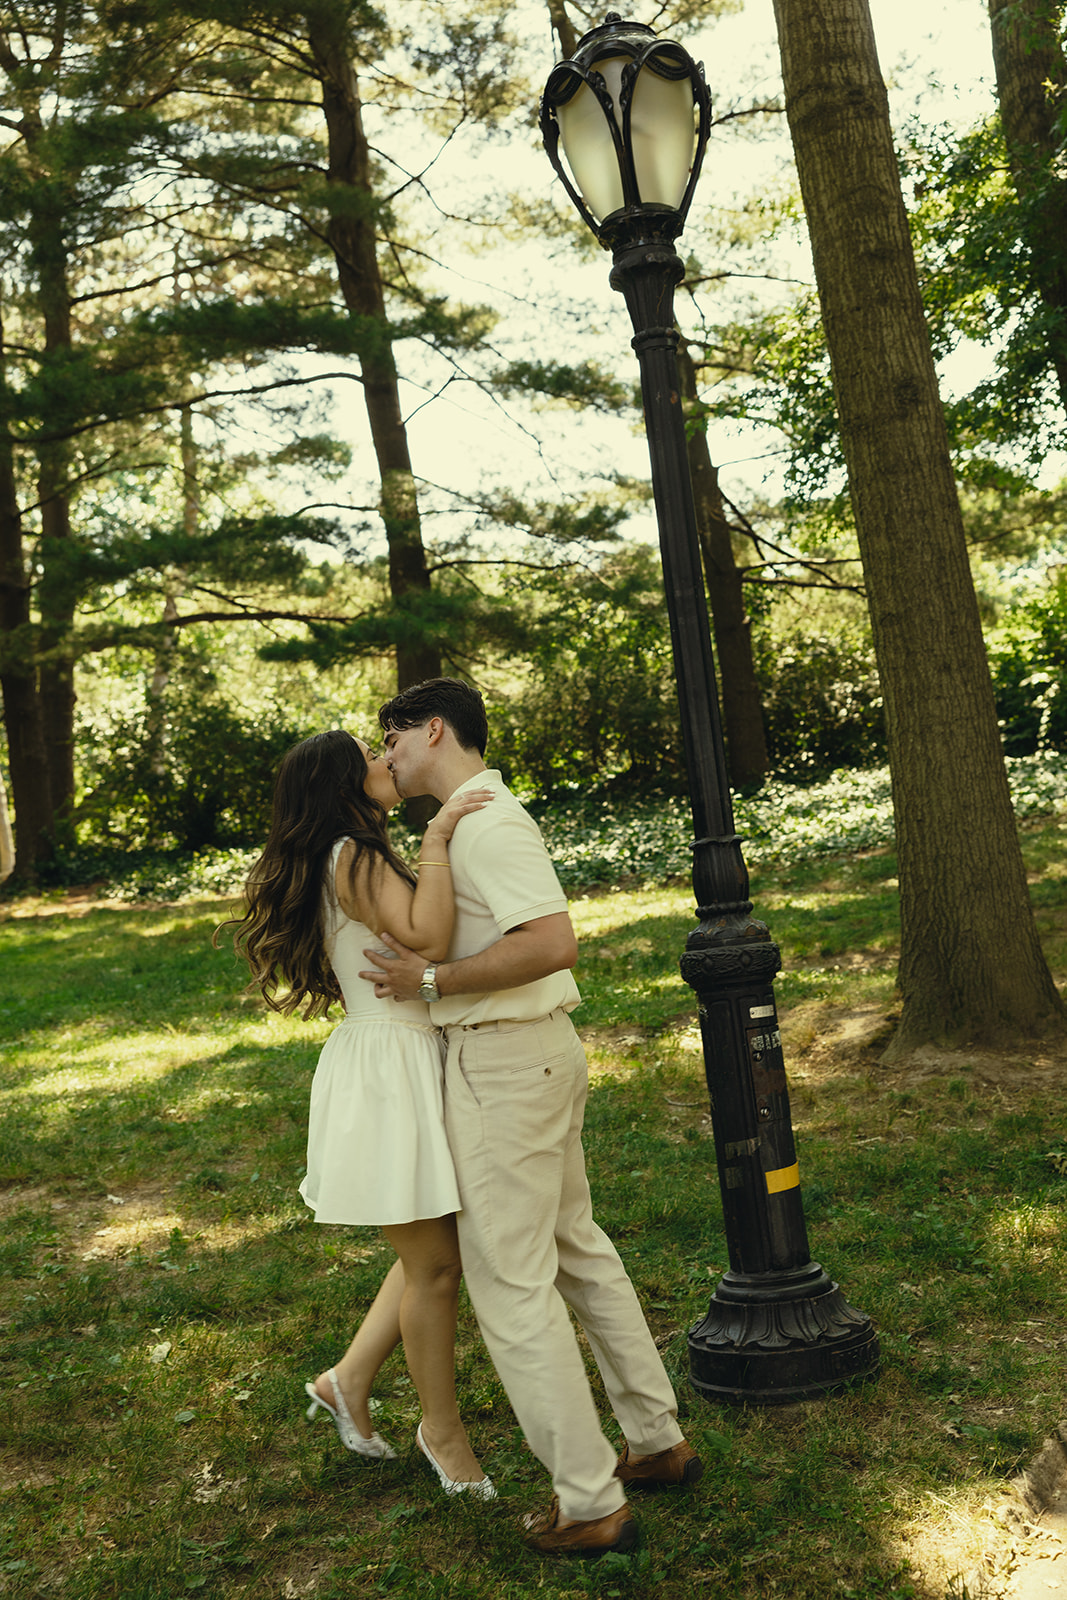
point(1025, 1533)
point(1042, 1491)
point(80, 901)
point(822, 1038)
point(117, 1228)
point(138, 1220)
point(21, 1199)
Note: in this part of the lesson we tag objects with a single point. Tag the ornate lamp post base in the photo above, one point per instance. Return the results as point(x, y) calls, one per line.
point(772, 1338)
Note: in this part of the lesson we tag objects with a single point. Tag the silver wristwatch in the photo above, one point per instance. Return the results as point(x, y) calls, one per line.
point(428, 989)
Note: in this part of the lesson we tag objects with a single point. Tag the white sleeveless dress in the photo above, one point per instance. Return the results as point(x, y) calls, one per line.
point(377, 1151)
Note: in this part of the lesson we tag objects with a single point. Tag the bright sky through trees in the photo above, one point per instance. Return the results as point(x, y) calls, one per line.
point(937, 59)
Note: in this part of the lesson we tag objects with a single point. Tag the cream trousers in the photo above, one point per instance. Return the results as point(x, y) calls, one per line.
point(514, 1102)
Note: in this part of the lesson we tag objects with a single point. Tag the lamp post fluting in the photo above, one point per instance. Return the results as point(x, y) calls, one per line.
point(632, 114)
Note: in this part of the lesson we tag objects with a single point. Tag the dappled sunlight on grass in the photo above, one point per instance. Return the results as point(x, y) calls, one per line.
point(1027, 1228)
point(604, 1064)
point(137, 1058)
point(60, 1064)
point(144, 1222)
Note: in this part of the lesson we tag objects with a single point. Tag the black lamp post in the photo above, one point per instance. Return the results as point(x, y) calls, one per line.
point(632, 113)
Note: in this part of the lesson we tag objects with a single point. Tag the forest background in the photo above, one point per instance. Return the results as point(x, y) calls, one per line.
point(310, 387)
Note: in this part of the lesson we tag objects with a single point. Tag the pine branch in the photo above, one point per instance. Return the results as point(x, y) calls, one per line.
point(251, 614)
point(201, 398)
point(503, 561)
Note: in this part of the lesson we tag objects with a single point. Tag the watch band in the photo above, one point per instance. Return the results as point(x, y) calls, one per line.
point(428, 989)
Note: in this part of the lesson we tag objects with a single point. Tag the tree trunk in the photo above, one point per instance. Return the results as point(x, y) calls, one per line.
point(971, 966)
point(742, 705)
point(1031, 73)
point(7, 838)
point(31, 790)
point(173, 585)
point(353, 240)
point(56, 593)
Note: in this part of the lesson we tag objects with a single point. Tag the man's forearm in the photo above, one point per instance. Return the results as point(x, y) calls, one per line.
point(520, 957)
point(529, 952)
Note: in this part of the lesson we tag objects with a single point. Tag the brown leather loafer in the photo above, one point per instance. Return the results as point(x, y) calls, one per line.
point(666, 1469)
point(615, 1532)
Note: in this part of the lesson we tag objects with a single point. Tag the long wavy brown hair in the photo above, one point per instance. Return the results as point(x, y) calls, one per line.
point(318, 798)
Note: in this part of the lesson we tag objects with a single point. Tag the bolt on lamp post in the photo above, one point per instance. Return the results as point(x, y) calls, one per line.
point(632, 113)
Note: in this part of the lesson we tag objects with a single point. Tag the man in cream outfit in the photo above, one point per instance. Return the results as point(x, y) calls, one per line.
point(515, 1088)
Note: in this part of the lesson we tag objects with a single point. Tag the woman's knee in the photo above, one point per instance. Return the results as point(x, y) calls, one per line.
point(442, 1273)
point(430, 1255)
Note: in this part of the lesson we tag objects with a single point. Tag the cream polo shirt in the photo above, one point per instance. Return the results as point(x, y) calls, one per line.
point(502, 876)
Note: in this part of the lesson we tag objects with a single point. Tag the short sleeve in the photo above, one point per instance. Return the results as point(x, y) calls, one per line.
point(505, 863)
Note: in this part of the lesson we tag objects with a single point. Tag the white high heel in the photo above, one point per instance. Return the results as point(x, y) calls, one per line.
point(374, 1448)
point(482, 1489)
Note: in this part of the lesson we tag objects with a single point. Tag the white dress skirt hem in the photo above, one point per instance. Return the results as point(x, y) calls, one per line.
point(377, 1151)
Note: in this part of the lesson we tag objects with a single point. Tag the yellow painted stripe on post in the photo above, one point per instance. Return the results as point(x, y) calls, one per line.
point(783, 1178)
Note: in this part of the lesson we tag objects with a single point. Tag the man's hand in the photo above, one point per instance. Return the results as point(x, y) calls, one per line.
point(524, 954)
point(400, 971)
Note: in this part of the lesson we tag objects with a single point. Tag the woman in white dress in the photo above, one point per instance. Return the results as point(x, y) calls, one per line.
point(327, 879)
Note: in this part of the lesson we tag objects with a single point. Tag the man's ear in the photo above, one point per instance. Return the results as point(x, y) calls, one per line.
point(435, 730)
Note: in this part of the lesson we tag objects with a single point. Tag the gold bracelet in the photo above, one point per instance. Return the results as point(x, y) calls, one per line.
point(435, 863)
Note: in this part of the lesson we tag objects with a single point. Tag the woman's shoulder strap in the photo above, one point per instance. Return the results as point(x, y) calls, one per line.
point(330, 875)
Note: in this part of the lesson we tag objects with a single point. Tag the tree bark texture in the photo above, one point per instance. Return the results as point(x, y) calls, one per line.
point(31, 789)
point(56, 599)
point(56, 671)
point(174, 578)
point(1031, 70)
point(353, 239)
point(971, 966)
point(739, 690)
point(7, 838)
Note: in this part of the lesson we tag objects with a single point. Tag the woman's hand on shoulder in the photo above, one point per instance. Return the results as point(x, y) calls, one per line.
point(460, 805)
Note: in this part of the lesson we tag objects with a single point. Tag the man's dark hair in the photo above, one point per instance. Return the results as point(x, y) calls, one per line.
point(456, 703)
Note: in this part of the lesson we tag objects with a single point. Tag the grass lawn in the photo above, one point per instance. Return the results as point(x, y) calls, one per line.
point(165, 1293)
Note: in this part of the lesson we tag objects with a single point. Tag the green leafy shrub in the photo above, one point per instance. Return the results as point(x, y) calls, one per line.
point(599, 700)
point(603, 836)
point(822, 705)
point(209, 785)
point(1028, 662)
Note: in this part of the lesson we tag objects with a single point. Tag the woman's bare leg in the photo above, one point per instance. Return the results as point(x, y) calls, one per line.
point(429, 1254)
point(376, 1338)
